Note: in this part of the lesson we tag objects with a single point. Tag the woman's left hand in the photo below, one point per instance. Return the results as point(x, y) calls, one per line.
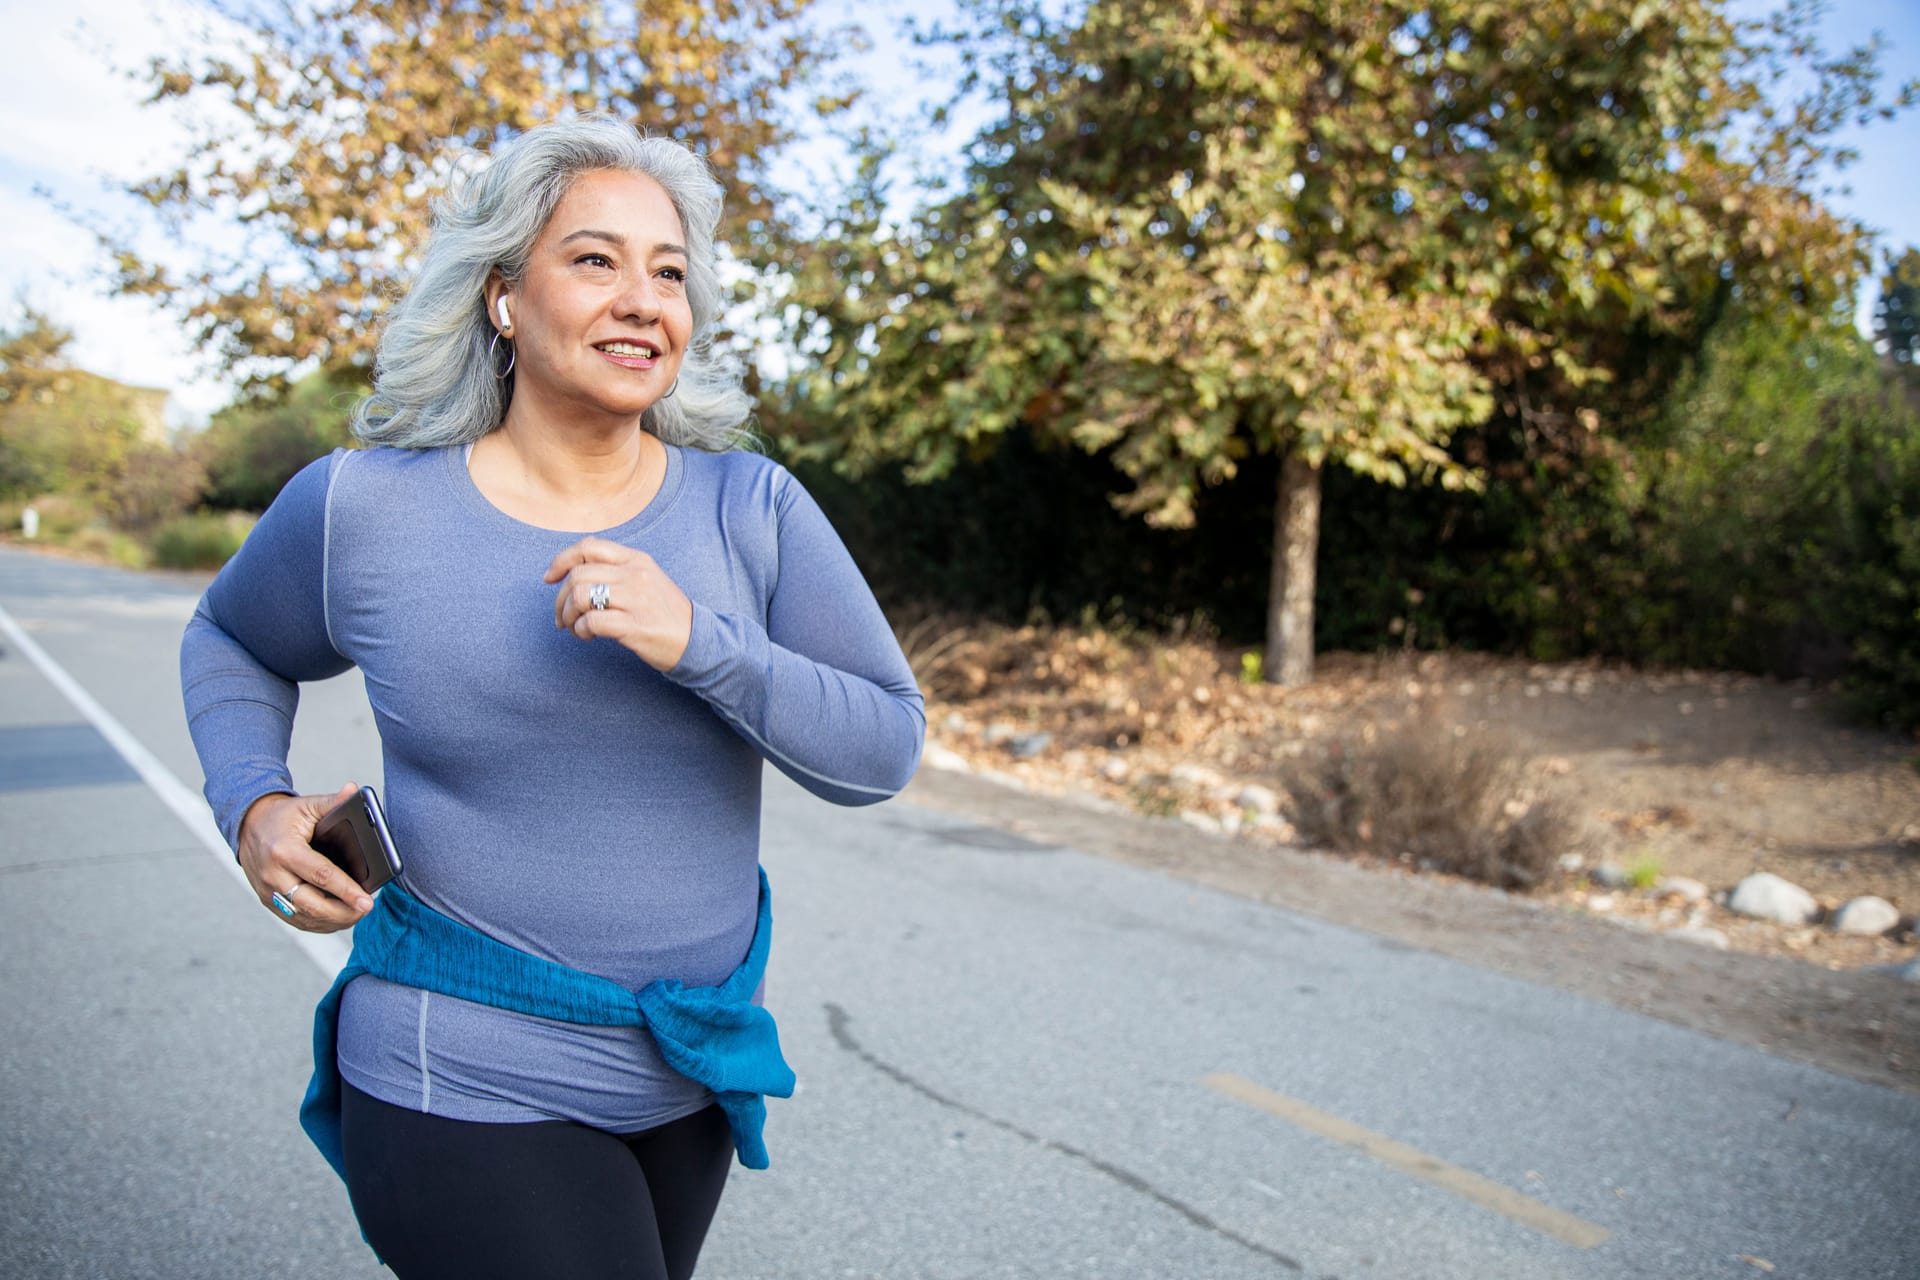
point(643, 610)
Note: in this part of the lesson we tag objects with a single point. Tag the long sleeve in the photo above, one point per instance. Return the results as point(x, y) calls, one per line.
point(822, 691)
point(260, 628)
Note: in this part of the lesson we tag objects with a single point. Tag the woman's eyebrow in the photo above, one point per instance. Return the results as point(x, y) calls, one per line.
point(620, 241)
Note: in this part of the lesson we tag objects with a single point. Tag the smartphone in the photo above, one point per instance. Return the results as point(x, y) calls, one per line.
point(355, 838)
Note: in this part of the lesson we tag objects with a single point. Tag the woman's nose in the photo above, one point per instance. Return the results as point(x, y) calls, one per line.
point(640, 299)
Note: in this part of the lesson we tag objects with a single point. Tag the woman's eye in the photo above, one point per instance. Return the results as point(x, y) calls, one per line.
point(594, 260)
point(674, 274)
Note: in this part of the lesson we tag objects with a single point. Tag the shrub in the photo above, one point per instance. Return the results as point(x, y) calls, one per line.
point(1644, 872)
point(252, 448)
point(1783, 516)
point(158, 483)
point(1425, 795)
point(98, 542)
point(204, 540)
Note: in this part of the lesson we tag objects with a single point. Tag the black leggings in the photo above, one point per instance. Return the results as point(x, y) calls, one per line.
point(464, 1201)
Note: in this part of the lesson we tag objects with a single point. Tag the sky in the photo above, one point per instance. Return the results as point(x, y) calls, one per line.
point(71, 128)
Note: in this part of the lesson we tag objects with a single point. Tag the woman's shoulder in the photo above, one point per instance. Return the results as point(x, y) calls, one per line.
point(391, 459)
point(732, 462)
point(739, 476)
point(385, 465)
point(382, 487)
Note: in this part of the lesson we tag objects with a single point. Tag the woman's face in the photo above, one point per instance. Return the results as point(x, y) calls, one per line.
point(601, 319)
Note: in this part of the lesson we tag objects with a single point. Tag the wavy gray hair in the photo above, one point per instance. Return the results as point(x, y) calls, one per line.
point(488, 222)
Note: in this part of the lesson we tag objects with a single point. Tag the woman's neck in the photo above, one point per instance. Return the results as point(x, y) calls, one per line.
point(574, 464)
point(561, 479)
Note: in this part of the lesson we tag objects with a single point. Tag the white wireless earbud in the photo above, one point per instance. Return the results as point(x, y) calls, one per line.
point(500, 308)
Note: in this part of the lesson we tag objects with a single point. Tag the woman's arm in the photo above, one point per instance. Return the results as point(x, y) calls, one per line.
point(823, 690)
point(260, 628)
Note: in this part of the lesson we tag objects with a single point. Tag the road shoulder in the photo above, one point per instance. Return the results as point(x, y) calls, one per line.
point(1857, 1023)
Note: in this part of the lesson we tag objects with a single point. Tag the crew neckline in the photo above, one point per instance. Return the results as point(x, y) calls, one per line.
point(456, 457)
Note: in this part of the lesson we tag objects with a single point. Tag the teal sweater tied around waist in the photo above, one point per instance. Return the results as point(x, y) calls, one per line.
point(715, 1036)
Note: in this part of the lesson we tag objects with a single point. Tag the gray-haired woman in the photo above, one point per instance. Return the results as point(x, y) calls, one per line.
point(548, 1044)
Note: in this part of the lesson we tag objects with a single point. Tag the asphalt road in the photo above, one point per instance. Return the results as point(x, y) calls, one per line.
point(1015, 1060)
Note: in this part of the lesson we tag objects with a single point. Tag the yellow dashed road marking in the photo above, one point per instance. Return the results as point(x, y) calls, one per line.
point(1523, 1209)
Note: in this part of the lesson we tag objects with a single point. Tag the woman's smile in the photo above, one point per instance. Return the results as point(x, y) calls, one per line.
point(630, 355)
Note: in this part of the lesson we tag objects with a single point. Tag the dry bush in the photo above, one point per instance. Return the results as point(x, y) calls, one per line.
point(1094, 685)
point(934, 645)
point(1426, 795)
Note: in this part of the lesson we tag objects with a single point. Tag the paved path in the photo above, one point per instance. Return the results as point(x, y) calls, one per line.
point(1016, 1060)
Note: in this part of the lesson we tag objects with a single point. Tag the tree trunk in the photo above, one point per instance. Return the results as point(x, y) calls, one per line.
point(1296, 545)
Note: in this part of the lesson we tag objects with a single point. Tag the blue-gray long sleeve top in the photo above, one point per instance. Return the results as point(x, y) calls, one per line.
point(558, 795)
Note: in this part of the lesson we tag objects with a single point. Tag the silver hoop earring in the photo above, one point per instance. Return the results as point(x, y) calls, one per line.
point(494, 358)
point(670, 390)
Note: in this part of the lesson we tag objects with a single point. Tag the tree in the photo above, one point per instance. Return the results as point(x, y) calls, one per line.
point(61, 429)
point(1324, 230)
point(343, 117)
point(64, 430)
point(32, 362)
point(1778, 530)
point(251, 449)
point(1896, 321)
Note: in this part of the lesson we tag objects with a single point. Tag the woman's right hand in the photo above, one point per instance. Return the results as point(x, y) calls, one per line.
point(277, 857)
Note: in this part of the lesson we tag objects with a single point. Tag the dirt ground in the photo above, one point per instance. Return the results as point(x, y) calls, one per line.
point(1709, 776)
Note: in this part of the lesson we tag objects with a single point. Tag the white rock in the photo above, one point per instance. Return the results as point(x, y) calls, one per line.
point(1701, 936)
point(1868, 916)
point(1685, 888)
point(1765, 896)
point(1611, 875)
point(1193, 777)
point(935, 756)
point(1260, 799)
point(1114, 769)
point(997, 733)
point(1205, 821)
point(1572, 861)
point(954, 722)
point(1025, 746)
point(1910, 971)
point(1276, 826)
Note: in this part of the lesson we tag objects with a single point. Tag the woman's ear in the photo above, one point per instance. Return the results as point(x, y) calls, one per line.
point(496, 294)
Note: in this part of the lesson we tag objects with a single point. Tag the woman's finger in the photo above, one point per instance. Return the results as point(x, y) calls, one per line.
point(309, 892)
point(306, 906)
point(586, 551)
point(578, 592)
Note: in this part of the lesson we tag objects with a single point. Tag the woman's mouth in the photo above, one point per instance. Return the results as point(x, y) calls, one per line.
point(630, 355)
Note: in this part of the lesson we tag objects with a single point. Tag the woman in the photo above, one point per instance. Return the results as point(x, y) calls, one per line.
point(584, 620)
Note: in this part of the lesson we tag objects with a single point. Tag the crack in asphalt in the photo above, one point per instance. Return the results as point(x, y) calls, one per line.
point(838, 1024)
point(96, 859)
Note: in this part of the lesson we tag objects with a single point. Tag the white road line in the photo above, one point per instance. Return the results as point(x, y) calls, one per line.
point(328, 950)
point(1524, 1209)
